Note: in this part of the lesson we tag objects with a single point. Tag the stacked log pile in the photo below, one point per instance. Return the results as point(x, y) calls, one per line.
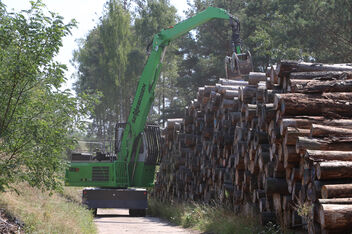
point(279, 143)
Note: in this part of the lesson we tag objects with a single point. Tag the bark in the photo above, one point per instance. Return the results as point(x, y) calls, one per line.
point(273, 73)
point(316, 86)
point(298, 122)
point(255, 77)
point(323, 155)
point(335, 216)
point(326, 104)
point(247, 93)
point(334, 170)
point(336, 201)
point(307, 121)
point(276, 185)
point(321, 75)
point(292, 135)
point(223, 88)
point(286, 67)
point(336, 191)
point(318, 130)
point(233, 82)
point(333, 143)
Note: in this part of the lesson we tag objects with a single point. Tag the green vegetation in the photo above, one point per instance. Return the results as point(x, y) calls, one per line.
point(44, 213)
point(36, 118)
point(111, 59)
point(206, 218)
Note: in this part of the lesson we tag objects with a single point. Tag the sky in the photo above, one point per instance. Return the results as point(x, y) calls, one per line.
point(86, 13)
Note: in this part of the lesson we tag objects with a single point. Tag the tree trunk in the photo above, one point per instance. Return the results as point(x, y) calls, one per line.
point(292, 135)
point(255, 77)
point(286, 67)
point(334, 170)
point(307, 121)
point(327, 104)
point(336, 191)
point(336, 201)
point(321, 75)
point(317, 86)
point(335, 216)
point(276, 185)
point(323, 155)
point(341, 144)
point(318, 130)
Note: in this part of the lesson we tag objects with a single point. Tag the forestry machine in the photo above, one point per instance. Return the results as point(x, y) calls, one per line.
point(114, 178)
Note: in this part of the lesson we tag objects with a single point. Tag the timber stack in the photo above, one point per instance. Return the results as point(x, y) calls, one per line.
point(279, 143)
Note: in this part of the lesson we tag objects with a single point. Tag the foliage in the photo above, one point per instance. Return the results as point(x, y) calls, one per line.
point(303, 209)
point(35, 116)
point(112, 57)
point(103, 62)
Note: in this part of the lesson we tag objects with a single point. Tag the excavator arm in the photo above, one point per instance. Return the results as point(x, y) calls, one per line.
point(145, 91)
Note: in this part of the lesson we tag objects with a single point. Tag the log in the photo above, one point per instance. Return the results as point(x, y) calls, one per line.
point(341, 144)
point(276, 185)
point(247, 93)
point(321, 75)
point(323, 155)
point(304, 123)
point(233, 82)
point(318, 130)
point(326, 104)
point(286, 67)
point(290, 155)
point(255, 77)
point(307, 121)
point(335, 216)
point(335, 201)
point(336, 191)
point(316, 186)
point(333, 170)
point(230, 94)
point(317, 86)
point(223, 88)
point(292, 135)
point(273, 74)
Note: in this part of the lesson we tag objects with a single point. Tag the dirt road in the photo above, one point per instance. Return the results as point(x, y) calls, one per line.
point(118, 221)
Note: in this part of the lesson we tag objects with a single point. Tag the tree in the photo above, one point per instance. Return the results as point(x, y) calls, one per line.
point(113, 55)
point(153, 16)
point(103, 62)
point(35, 116)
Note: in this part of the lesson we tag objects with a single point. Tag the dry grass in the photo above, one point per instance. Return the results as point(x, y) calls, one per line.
point(208, 219)
point(42, 213)
point(73, 194)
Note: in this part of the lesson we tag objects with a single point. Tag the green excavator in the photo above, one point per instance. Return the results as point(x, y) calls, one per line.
point(115, 178)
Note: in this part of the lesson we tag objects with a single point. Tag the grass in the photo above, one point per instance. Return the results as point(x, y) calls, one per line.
point(42, 213)
point(209, 219)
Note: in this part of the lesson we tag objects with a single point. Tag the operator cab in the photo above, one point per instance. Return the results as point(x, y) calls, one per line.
point(149, 150)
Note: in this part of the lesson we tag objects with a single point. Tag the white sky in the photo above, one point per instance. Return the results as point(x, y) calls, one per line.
point(86, 13)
